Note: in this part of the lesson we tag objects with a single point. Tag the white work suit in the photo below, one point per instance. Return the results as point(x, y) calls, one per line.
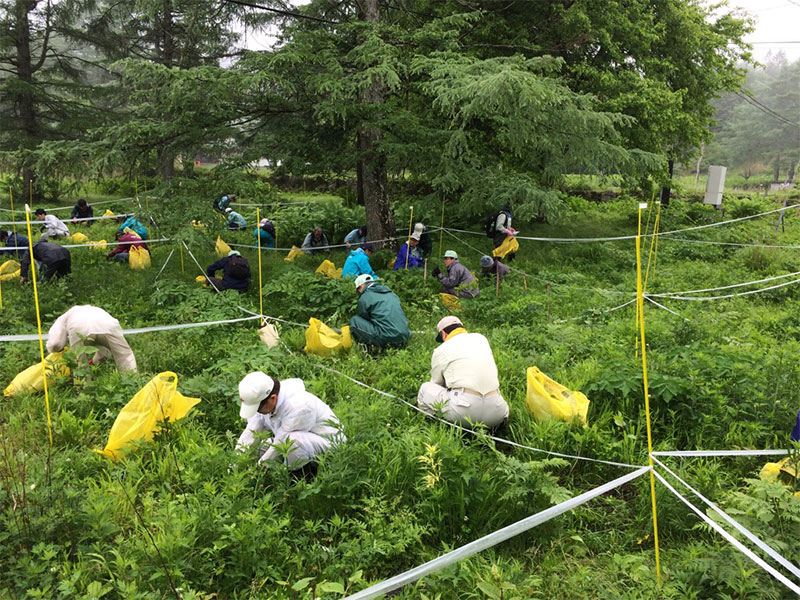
point(464, 385)
point(90, 325)
point(54, 227)
point(300, 418)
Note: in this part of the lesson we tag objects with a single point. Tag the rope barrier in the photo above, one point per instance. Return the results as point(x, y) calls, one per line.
point(748, 293)
point(707, 453)
point(492, 539)
point(735, 524)
point(736, 543)
point(82, 219)
point(89, 245)
point(58, 208)
point(711, 242)
point(726, 287)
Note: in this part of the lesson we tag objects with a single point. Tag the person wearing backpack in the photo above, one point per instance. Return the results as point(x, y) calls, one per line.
point(221, 203)
point(498, 227)
point(235, 273)
point(266, 231)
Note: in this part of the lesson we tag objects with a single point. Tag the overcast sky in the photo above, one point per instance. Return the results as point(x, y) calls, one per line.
point(776, 21)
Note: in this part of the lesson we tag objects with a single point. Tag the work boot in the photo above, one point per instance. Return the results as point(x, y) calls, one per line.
point(307, 472)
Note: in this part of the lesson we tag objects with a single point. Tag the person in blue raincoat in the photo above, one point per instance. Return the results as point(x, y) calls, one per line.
point(266, 231)
point(358, 262)
point(410, 254)
point(133, 224)
point(234, 220)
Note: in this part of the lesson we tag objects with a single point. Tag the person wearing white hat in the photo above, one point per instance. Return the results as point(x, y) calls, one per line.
point(303, 426)
point(234, 220)
point(410, 254)
point(458, 281)
point(380, 320)
point(464, 387)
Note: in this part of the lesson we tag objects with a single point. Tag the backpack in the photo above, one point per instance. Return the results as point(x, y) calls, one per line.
point(216, 203)
point(239, 268)
point(488, 226)
point(269, 227)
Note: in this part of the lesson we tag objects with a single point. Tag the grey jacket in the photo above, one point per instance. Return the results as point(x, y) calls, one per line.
point(458, 281)
point(45, 252)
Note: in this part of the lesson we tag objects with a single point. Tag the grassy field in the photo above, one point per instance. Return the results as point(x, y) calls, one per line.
point(187, 515)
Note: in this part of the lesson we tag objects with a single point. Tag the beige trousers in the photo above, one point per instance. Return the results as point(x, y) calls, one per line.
point(107, 344)
point(460, 407)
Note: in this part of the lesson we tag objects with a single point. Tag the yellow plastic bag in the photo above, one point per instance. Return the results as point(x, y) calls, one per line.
point(549, 399)
point(156, 402)
point(293, 253)
point(450, 301)
point(324, 341)
point(198, 224)
point(329, 269)
point(201, 279)
point(783, 470)
point(79, 238)
point(509, 246)
point(139, 259)
point(31, 378)
point(221, 248)
point(9, 270)
point(100, 245)
point(109, 213)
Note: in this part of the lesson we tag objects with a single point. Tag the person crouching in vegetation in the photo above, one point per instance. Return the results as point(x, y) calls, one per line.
point(266, 231)
point(464, 387)
point(410, 254)
point(15, 243)
point(380, 320)
point(134, 224)
point(88, 325)
point(491, 267)
point(221, 203)
point(356, 238)
point(52, 227)
point(54, 260)
point(82, 210)
point(358, 262)
point(458, 281)
point(126, 240)
point(302, 425)
point(316, 242)
point(234, 220)
point(235, 273)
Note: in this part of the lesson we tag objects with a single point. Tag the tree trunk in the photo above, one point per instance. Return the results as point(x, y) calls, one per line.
point(666, 190)
point(23, 95)
point(792, 171)
point(372, 161)
point(166, 164)
point(776, 169)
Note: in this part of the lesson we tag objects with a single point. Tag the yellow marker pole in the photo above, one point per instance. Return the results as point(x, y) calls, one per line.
point(180, 249)
point(13, 214)
point(38, 320)
point(408, 242)
point(441, 229)
point(258, 237)
point(640, 310)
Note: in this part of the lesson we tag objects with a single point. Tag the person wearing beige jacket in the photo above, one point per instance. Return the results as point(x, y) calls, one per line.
point(464, 387)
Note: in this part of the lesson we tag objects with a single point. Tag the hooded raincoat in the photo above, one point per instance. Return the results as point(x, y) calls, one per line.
point(356, 264)
point(380, 320)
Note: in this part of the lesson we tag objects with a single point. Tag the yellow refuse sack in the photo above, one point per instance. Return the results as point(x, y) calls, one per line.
point(156, 402)
point(450, 301)
point(201, 279)
point(329, 269)
point(221, 248)
point(548, 399)
point(324, 341)
point(79, 238)
point(509, 246)
point(31, 378)
point(139, 259)
point(9, 270)
point(99, 245)
point(293, 253)
point(784, 470)
point(109, 213)
point(198, 224)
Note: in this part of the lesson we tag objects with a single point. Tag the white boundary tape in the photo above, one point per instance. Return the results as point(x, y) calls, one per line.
point(87, 244)
point(735, 524)
point(713, 243)
point(83, 219)
point(57, 208)
point(492, 539)
point(30, 337)
point(708, 453)
point(725, 287)
point(735, 295)
point(669, 310)
point(736, 543)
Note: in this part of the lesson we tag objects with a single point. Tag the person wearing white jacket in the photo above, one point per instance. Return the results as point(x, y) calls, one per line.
point(464, 387)
point(297, 419)
point(91, 326)
point(53, 226)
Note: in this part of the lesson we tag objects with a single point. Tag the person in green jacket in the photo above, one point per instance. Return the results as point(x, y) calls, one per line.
point(380, 320)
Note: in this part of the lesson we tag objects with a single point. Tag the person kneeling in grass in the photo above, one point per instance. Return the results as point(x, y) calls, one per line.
point(464, 387)
point(380, 320)
point(235, 273)
point(126, 241)
point(303, 427)
point(91, 326)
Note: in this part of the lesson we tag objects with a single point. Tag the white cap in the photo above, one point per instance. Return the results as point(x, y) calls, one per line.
point(362, 279)
point(253, 389)
point(229, 209)
point(451, 254)
point(416, 236)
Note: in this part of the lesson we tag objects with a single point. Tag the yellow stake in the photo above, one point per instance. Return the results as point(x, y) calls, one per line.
point(38, 320)
point(13, 217)
point(258, 238)
point(408, 242)
point(640, 310)
point(441, 229)
point(180, 249)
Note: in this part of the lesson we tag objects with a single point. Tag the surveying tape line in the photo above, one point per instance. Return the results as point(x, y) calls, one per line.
point(33, 337)
point(708, 453)
point(725, 287)
point(491, 539)
point(669, 310)
point(736, 543)
point(468, 430)
point(255, 247)
point(89, 244)
point(737, 294)
point(602, 312)
point(735, 524)
point(70, 220)
point(57, 208)
point(713, 243)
